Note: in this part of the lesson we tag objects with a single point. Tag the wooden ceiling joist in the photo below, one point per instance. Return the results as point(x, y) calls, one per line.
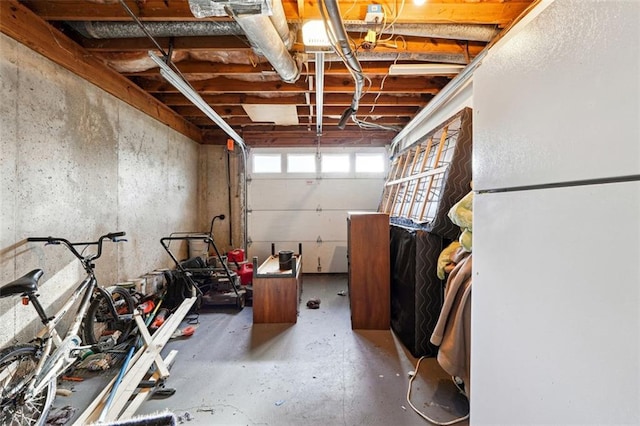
point(329, 99)
point(205, 122)
point(221, 85)
point(238, 111)
point(499, 12)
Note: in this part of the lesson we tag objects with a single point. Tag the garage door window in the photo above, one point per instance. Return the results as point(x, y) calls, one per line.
point(301, 163)
point(267, 163)
point(335, 163)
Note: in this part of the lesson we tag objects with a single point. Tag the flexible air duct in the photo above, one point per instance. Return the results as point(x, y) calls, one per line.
point(264, 34)
point(268, 33)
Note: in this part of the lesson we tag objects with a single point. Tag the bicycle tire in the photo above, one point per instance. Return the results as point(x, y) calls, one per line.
point(99, 320)
point(17, 364)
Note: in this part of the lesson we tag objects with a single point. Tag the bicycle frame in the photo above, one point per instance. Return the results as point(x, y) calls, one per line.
point(55, 361)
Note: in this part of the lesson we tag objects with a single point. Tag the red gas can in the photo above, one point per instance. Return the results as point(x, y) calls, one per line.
point(245, 272)
point(236, 255)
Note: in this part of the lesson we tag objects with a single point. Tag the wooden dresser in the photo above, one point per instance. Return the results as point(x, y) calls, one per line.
point(276, 293)
point(369, 275)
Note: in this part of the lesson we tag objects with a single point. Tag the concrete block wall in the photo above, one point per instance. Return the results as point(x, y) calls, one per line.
point(75, 162)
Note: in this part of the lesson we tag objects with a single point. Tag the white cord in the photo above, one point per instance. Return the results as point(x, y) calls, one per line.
point(424, 416)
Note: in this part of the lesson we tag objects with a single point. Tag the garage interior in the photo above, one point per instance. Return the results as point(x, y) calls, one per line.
point(154, 117)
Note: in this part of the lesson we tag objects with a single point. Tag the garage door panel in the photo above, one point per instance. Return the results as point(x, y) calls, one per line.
point(330, 256)
point(297, 225)
point(284, 194)
point(350, 194)
point(290, 208)
point(327, 194)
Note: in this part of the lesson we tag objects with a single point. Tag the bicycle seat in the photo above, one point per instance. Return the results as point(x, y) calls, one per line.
point(26, 284)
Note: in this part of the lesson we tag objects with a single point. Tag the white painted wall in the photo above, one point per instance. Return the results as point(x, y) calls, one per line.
point(556, 292)
point(76, 163)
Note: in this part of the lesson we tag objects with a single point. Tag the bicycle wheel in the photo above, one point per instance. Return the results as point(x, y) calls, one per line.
point(17, 364)
point(99, 321)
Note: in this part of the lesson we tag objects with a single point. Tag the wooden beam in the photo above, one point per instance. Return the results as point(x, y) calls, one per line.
point(21, 24)
point(81, 10)
point(238, 111)
point(499, 12)
point(289, 136)
point(205, 123)
point(333, 84)
point(407, 44)
point(345, 139)
point(331, 99)
point(192, 69)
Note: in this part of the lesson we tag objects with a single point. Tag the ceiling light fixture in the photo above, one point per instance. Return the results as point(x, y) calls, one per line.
point(314, 34)
point(424, 69)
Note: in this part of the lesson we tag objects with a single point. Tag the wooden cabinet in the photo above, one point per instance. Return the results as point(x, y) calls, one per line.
point(369, 276)
point(276, 293)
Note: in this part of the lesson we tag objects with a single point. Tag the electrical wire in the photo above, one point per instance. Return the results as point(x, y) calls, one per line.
point(424, 416)
point(356, 73)
point(375, 100)
point(398, 13)
point(369, 126)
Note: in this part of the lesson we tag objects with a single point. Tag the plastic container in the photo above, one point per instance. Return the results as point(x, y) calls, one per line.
point(236, 255)
point(245, 272)
point(285, 258)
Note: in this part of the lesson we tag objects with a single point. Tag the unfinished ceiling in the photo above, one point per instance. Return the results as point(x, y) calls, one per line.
point(297, 96)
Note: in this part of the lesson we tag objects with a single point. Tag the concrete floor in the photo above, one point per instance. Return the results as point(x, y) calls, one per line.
point(315, 372)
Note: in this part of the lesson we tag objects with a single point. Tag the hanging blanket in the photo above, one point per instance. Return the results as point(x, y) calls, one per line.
point(453, 329)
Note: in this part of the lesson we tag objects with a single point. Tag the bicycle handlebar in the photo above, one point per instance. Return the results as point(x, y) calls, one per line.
point(113, 236)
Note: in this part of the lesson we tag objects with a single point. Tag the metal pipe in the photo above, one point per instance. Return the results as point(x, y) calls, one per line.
point(279, 21)
point(184, 88)
point(319, 91)
point(243, 148)
point(176, 81)
point(338, 31)
point(264, 37)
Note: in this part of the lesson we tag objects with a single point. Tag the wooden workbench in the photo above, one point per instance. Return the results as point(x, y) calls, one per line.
point(276, 293)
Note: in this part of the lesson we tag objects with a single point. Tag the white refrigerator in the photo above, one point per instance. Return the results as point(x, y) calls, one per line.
point(556, 287)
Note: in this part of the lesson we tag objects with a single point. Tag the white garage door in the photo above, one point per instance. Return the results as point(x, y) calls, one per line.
point(302, 196)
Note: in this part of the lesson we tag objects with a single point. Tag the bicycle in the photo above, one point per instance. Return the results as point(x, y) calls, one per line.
point(28, 372)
